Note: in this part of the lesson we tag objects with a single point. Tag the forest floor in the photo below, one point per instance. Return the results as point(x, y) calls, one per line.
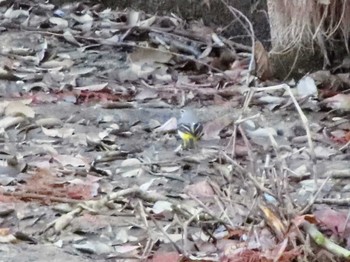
point(92, 168)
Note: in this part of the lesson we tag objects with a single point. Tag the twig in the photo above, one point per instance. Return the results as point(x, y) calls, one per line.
point(250, 32)
point(176, 246)
point(345, 146)
point(343, 230)
point(149, 243)
point(41, 197)
point(185, 232)
point(133, 45)
point(324, 242)
point(332, 201)
point(223, 210)
point(250, 176)
point(207, 210)
point(342, 173)
point(234, 134)
point(304, 120)
point(313, 199)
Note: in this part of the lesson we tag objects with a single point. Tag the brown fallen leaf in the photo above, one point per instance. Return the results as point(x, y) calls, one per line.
point(263, 68)
point(200, 189)
point(274, 222)
point(160, 256)
point(336, 221)
point(339, 102)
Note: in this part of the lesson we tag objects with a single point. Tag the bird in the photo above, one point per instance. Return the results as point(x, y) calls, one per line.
point(190, 130)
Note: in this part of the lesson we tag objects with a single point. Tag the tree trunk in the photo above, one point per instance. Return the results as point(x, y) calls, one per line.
point(303, 32)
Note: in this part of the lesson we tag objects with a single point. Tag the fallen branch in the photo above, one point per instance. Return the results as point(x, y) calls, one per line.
point(324, 242)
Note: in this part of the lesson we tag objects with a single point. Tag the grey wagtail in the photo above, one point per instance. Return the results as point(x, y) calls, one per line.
point(189, 128)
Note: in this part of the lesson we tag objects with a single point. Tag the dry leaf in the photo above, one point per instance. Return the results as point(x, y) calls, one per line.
point(131, 167)
point(82, 19)
point(17, 108)
point(168, 126)
point(133, 72)
point(70, 38)
point(200, 189)
point(9, 121)
point(263, 68)
point(94, 247)
point(56, 64)
point(307, 87)
point(339, 102)
point(161, 206)
point(160, 256)
point(93, 88)
point(49, 122)
point(143, 56)
point(274, 222)
point(61, 133)
point(213, 128)
point(68, 160)
point(59, 23)
point(262, 132)
point(148, 22)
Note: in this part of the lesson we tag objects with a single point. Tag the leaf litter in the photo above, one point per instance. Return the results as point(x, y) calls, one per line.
point(90, 102)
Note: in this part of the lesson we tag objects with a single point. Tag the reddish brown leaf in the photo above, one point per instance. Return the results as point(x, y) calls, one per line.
point(166, 256)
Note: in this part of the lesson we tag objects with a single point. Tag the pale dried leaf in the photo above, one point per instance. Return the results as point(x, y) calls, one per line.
point(8, 239)
point(53, 64)
point(147, 185)
point(18, 108)
point(10, 121)
point(49, 122)
point(148, 22)
point(307, 87)
point(61, 133)
point(134, 72)
point(86, 18)
point(262, 132)
point(131, 167)
point(68, 160)
point(94, 247)
point(168, 126)
point(126, 248)
point(146, 94)
point(60, 23)
point(143, 56)
point(161, 206)
point(13, 14)
point(70, 38)
point(93, 88)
